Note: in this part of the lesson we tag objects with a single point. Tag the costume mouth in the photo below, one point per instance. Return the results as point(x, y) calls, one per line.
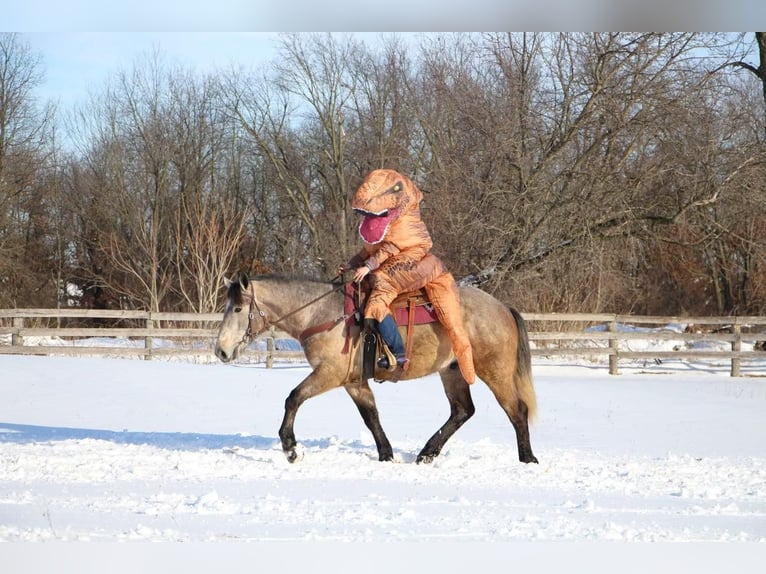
point(361, 211)
point(374, 226)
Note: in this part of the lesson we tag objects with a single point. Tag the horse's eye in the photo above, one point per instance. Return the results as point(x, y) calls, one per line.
point(237, 309)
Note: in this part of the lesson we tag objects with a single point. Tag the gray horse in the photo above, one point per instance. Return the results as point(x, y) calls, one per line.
point(313, 312)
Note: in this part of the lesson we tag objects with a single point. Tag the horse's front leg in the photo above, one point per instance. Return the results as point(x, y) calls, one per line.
point(364, 400)
point(315, 384)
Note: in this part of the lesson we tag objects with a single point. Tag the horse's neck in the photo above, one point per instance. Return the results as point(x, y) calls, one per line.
point(295, 306)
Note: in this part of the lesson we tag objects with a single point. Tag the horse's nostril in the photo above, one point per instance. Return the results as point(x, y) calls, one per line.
point(221, 354)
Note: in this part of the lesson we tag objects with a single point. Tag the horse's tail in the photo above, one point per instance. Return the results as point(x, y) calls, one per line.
point(522, 378)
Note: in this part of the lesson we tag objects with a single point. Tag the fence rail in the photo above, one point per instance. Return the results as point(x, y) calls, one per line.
point(576, 334)
point(194, 339)
point(735, 331)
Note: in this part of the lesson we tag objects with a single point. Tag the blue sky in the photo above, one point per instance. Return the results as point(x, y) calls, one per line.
point(77, 64)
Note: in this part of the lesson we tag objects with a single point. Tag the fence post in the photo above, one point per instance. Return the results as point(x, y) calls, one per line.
point(613, 350)
point(736, 346)
point(16, 339)
point(148, 341)
point(270, 349)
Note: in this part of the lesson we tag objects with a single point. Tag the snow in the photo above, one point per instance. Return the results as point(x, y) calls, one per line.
point(96, 449)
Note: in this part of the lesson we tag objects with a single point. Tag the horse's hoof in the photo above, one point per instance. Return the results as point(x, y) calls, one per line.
point(294, 455)
point(530, 458)
point(425, 458)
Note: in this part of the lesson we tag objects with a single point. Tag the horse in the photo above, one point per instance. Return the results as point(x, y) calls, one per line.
point(313, 312)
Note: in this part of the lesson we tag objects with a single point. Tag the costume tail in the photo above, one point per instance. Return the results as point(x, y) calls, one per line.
point(444, 295)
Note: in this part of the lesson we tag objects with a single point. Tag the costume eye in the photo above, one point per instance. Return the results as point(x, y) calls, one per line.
point(396, 188)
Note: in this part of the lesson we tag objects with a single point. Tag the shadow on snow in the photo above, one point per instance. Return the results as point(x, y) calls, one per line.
point(30, 434)
point(192, 442)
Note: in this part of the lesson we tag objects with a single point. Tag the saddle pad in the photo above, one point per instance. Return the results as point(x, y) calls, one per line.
point(424, 311)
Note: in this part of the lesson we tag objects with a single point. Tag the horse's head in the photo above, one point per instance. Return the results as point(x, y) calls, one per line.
point(240, 321)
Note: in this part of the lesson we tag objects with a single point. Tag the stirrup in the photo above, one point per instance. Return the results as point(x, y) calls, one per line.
point(386, 359)
point(386, 363)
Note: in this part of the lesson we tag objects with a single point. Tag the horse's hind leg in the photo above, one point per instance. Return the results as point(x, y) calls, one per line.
point(364, 400)
point(517, 412)
point(461, 409)
point(520, 422)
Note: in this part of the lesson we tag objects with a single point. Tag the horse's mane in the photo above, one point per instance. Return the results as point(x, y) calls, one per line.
point(283, 278)
point(235, 289)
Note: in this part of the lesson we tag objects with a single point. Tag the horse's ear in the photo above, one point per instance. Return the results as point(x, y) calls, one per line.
point(227, 282)
point(244, 280)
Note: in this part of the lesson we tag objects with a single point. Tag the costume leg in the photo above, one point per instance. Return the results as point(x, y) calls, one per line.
point(384, 291)
point(397, 275)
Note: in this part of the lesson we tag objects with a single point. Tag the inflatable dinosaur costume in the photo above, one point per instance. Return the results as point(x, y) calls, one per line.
point(396, 253)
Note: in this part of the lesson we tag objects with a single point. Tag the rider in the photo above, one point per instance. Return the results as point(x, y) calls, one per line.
point(396, 252)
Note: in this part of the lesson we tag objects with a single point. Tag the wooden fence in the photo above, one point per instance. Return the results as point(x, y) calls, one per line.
point(189, 334)
point(87, 332)
point(743, 336)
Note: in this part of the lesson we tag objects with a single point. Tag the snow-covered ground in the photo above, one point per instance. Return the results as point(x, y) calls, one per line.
point(95, 449)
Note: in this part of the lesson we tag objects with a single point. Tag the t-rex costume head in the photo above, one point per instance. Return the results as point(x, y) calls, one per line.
point(383, 197)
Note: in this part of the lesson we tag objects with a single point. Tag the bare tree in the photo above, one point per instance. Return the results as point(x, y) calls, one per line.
point(759, 71)
point(572, 171)
point(209, 238)
point(549, 143)
point(25, 147)
point(296, 117)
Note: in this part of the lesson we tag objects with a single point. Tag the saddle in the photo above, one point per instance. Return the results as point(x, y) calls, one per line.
point(408, 309)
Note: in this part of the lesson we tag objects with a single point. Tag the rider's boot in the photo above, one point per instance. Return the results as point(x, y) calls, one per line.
point(390, 333)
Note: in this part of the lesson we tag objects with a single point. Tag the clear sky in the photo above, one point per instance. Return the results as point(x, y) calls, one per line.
point(77, 64)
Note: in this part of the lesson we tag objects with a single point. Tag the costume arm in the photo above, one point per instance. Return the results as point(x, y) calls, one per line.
point(385, 250)
point(357, 260)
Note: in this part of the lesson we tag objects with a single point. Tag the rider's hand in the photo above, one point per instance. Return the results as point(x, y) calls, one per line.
point(342, 269)
point(360, 273)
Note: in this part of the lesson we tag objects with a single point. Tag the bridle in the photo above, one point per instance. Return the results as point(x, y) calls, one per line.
point(265, 323)
point(251, 332)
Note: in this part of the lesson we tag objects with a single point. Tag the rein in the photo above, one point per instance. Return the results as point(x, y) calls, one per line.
point(251, 333)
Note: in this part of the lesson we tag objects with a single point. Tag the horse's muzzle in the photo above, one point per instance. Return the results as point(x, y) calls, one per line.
point(223, 355)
